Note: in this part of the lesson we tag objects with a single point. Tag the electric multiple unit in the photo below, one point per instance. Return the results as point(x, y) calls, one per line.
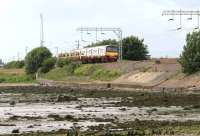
point(104, 53)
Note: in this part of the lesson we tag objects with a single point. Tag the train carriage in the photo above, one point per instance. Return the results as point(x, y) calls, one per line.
point(104, 53)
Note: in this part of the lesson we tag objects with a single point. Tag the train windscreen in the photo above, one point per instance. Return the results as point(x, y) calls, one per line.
point(112, 49)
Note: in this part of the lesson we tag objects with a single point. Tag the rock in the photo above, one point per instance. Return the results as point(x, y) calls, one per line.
point(123, 109)
point(31, 126)
point(64, 98)
point(12, 103)
point(15, 131)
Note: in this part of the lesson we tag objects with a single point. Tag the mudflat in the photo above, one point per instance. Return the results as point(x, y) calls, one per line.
point(56, 111)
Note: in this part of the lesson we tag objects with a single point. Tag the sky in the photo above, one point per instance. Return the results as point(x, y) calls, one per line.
point(20, 24)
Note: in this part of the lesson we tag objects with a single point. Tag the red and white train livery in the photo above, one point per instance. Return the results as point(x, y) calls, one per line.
point(103, 53)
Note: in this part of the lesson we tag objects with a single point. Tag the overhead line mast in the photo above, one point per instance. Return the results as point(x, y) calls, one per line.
point(41, 31)
point(117, 31)
point(181, 13)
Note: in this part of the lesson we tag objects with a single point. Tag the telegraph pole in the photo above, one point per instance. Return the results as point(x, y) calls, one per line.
point(56, 50)
point(57, 56)
point(18, 56)
point(78, 44)
point(26, 50)
point(41, 31)
point(180, 13)
point(117, 31)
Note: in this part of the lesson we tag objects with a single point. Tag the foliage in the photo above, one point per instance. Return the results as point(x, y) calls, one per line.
point(70, 68)
point(35, 59)
point(190, 57)
point(134, 49)
point(47, 65)
point(61, 73)
point(15, 78)
point(85, 70)
point(55, 74)
point(62, 62)
point(14, 64)
point(104, 42)
point(105, 75)
point(96, 72)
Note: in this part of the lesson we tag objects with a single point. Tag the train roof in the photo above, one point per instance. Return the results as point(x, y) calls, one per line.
point(97, 46)
point(101, 46)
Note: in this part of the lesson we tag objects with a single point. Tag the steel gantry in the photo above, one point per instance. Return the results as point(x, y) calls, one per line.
point(181, 13)
point(116, 31)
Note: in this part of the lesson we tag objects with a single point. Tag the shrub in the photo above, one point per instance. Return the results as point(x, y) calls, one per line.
point(102, 74)
point(47, 65)
point(85, 70)
point(190, 57)
point(35, 59)
point(62, 62)
point(2, 79)
point(70, 68)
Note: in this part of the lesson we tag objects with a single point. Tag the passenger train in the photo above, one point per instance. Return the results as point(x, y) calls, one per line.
point(103, 53)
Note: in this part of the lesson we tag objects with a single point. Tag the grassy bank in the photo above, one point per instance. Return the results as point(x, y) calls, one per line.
point(15, 76)
point(82, 72)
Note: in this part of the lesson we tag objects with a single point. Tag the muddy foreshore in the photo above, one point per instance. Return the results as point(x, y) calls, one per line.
point(36, 110)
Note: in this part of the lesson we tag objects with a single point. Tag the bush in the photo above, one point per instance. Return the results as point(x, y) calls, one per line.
point(14, 64)
point(190, 57)
point(62, 62)
point(2, 79)
point(35, 59)
point(47, 65)
point(85, 70)
point(102, 74)
point(70, 68)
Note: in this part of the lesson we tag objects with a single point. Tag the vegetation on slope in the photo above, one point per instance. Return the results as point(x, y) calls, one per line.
point(82, 72)
point(14, 64)
point(15, 76)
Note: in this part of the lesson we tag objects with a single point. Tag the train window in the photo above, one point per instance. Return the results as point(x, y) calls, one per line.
point(112, 48)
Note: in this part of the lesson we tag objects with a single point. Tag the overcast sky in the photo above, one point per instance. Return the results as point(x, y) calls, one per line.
point(20, 23)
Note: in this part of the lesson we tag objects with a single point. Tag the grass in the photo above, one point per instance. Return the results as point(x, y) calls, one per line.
point(15, 76)
point(84, 72)
point(56, 74)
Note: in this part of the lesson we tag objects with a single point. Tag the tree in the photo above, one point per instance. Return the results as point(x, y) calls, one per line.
point(47, 65)
point(190, 57)
point(62, 62)
point(35, 59)
point(134, 49)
